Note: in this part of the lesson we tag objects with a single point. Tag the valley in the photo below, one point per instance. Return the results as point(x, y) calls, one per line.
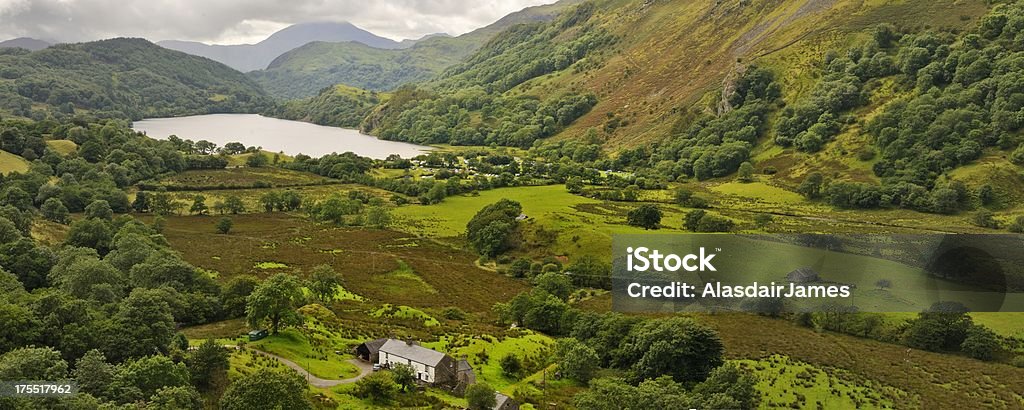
point(332, 219)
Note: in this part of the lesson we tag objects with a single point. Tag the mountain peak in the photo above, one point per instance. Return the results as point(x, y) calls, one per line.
point(26, 43)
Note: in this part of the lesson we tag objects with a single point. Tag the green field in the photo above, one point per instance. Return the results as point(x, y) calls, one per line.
point(787, 383)
point(485, 352)
point(62, 147)
point(12, 163)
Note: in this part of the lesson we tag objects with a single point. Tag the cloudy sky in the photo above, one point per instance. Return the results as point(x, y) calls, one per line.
point(241, 21)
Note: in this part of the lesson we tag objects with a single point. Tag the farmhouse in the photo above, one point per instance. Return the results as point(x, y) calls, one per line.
point(802, 275)
point(429, 365)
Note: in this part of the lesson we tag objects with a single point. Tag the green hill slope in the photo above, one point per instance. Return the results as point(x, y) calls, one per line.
point(121, 77)
point(304, 71)
point(338, 106)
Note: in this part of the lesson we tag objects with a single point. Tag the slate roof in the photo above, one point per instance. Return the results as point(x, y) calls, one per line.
point(414, 352)
point(463, 365)
point(499, 400)
point(374, 345)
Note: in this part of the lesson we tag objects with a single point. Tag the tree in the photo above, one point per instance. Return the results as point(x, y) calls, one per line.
point(33, 363)
point(590, 271)
point(234, 204)
point(236, 292)
point(324, 282)
point(99, 209)
point(380, 387)
point(985, 219)
point(267, 389)
point(682, 196)
point(692, 219)
point(54, 210)
point(271, 201)
point(88, 277)
point(274, 300)
point(490, 231)
point(176, 397)
point(733, 382)
point(141, 203)
point(519, 267)
point(511, 366)
point(206, 363)
point(746, 172)
point(143, 326)
point(943, 326)
point(1018, 225)
point(883, 283)
point(378, 217)
point(678, 347)
point(646, 216)
point(810, 188)
point(256, 160)
point(574, 185)
point(713, 223)
point(555, 284)
point(199, 205)
point(480, 396)
point(93, 374)
point(90, 233)
point(149, 374)
point(8, 231)
point(404, 375)
point(980, 343)
point(224, 225)
point(576, 360)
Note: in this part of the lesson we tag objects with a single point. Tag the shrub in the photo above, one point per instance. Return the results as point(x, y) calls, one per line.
point(224, 225)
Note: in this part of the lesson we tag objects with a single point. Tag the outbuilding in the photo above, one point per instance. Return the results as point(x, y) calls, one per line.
point(368, 350)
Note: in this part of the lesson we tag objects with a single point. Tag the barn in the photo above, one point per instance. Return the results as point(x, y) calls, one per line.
point(368, 350)
point(503, 402)
point(803, 275)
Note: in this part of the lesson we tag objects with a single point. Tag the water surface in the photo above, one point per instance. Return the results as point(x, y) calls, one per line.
point(291, 137)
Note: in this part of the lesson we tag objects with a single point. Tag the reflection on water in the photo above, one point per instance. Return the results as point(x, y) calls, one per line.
point(292, 137)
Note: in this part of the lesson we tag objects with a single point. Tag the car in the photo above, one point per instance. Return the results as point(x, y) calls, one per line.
point(376, 367)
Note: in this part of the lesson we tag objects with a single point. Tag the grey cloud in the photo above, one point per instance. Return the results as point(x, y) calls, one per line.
point(237, 21)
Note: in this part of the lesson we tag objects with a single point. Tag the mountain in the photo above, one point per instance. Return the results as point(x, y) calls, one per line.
point(26, 43)
point(306, 70)
point(248, 57)
point(121, 77)
point(923, 115)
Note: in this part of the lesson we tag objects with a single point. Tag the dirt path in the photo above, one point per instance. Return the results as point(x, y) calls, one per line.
point(364, 370)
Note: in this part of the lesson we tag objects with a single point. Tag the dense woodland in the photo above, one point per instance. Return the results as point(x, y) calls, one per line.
point(121, 78)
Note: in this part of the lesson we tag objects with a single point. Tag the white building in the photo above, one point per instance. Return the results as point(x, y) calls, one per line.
point(429, 365)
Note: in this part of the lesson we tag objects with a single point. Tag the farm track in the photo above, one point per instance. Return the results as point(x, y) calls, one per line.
point(364, 370)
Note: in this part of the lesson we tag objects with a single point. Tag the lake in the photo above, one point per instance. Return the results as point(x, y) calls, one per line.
point(291, 137)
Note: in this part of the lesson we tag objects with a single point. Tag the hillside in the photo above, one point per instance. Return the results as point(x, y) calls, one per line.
point(306, 70)
point(25, 42)
point(337, 106)
point(249, 57)
point(121, 77)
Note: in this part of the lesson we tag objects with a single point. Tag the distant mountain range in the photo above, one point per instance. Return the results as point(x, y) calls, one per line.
point(26, 43)
point(249, 57)
point(317, 65)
